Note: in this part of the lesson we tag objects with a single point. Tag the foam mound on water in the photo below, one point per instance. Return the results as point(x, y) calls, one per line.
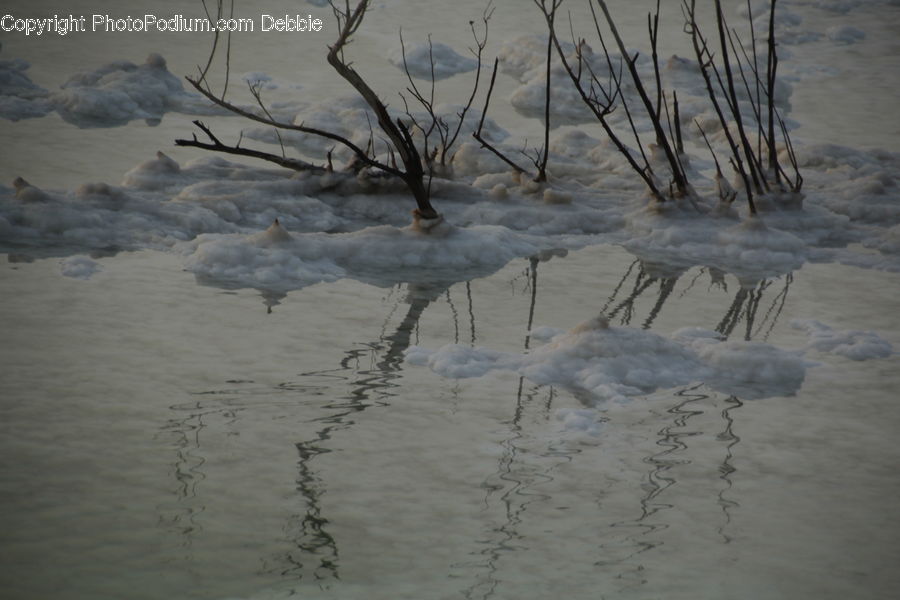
point(276, 259)
point(852, 344)
point(121, 91)
point(21, 98)
point(424, 60)
point(619, 363)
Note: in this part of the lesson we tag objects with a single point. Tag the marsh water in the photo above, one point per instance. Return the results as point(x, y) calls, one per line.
point(167, 438)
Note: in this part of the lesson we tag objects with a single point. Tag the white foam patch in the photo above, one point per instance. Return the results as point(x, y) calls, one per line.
point(121, 91)
point(845, 34)
point(78, 267)
point(21, 98)
point(581, 421)
point(750, 249)
point(423, 60)
point(276, 259)
point(620, 363)
point(852, 344)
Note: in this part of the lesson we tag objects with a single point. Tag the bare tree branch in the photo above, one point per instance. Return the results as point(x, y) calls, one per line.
point(217, 146)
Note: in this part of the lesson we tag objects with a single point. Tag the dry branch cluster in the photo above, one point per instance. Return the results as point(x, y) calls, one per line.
point(727, 69)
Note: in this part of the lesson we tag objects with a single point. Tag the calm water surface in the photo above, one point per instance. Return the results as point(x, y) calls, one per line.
point(164, 439)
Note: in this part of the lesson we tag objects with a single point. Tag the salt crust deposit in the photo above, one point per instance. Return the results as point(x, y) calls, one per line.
point(852, 344)
point(422, 60)
point(605, 366)
point(79, 267)
point(618, 363)
point(20, 98)
point(276, 260)
point(159, 203)
point(108, 96)
point(849, 213)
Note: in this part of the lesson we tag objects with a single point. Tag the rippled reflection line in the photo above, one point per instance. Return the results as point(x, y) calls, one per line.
point(182, 518)
point(455, 318)
point(665, 290)
point(516, 478)
point(640, 286)
point(692, 282)
point(471, 311)
point(726, 468)
point(779, 300)
point(372, 386)
point(518, 481)
point(658, 481)
point(622, 281)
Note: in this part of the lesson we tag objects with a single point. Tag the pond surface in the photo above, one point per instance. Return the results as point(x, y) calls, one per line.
point(164, 438)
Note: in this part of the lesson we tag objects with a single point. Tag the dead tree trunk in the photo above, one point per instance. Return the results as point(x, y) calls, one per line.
point(413, 173)
point(399, 136)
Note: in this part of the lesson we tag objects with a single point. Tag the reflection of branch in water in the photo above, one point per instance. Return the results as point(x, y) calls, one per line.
point(307, 532)
point(532, 278)
point(659, 480)
point(532, 269)
point(665, 290)
point(315, 551)
point(726, 468)
point(615, 291)
point(690, 285)
point(778, 301)
point(471, 311)
point(642, 283)
point(517, 474)
point(455, 318)
point(730, 320)
point(418, 297)
point(737, 310)
point(214, 411)
point(517, 479)
point(182, 517)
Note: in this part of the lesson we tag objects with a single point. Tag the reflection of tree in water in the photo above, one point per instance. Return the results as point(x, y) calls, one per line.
point(215, 412)
point(743, 308)
point(637, 534)
point(217, 409)
point(726, 468)
point(521, 471)
point(371, 371)
point(181, 516)
point(642, 532)
point(315, 551)
point(746, 306)
point(646, 277)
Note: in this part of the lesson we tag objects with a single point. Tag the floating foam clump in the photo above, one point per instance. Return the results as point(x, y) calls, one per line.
point(121, 91)
point(750, 249)
point(618, 363)
point(845, 34)
point(78, 267)
point(276, 259)
point(423, 59)
point(20, 98)
point(852, 344)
